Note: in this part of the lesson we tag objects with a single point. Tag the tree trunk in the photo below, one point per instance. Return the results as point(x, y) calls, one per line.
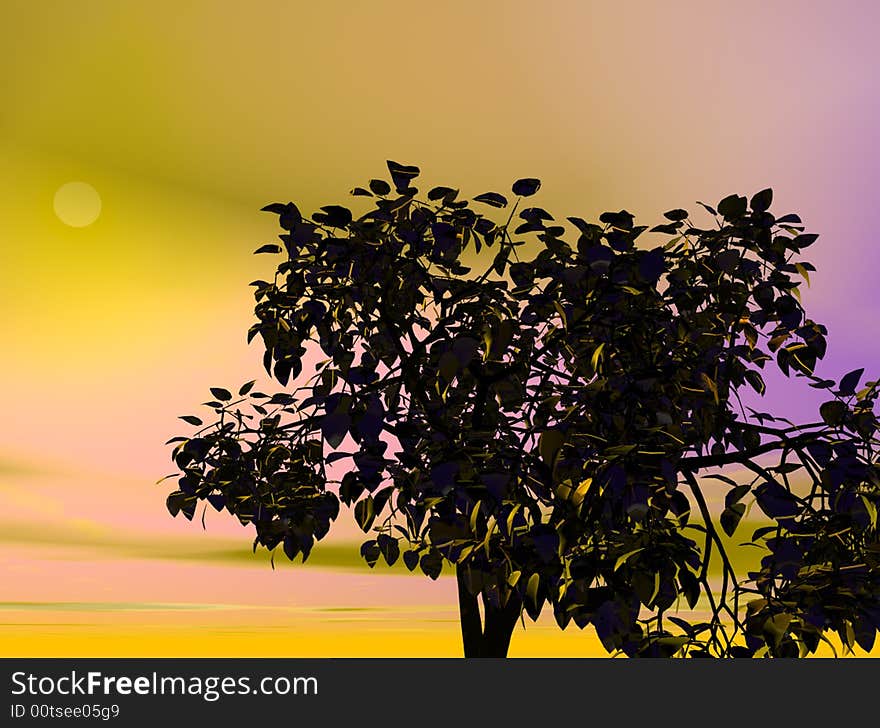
point(491, 639)
point(471, 629)
point(499, 627)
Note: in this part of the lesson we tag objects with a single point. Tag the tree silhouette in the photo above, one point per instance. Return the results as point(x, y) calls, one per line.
point(548, 424)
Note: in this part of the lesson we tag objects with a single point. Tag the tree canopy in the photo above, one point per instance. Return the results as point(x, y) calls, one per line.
point(543, 407)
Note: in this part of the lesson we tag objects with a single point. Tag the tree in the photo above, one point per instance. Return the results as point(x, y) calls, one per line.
point(548, 423)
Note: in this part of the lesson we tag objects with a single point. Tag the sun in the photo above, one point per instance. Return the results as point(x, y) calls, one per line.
point(77, 204)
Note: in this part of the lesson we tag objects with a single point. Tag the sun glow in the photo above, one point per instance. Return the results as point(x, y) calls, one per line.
point(77, 204)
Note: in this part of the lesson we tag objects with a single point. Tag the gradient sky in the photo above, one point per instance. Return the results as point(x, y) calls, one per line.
point(186, 118)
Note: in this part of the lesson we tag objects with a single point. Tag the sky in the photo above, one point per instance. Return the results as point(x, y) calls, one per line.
point(139, 140)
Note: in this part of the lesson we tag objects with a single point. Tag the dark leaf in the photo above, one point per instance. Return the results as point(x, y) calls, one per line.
point(411, 559)
point(439, 193)
point(652, 264)
point(334, 427)
point(364, 513)
point(731, 516)
point(431, 564)
point(268, 248)
point(224, 395)
point(708, 208)
point(191, 419)
point(756, 380)
point(217, 500)
point(289, 214)
point(804, 240)
point(760, 202)
point(380, 187)
point(174, 502)
point(622, 219)
point(736, 494)
point(335, 216)
point(370, 552)
point(728, 260)
point(389, 548)
point(775, 500)
point(733, 207)
point(276, 207)
point(789, 219)
point(526, 187)
point(492, 198)
point(550, 443)
point(833, 413)
point(849, 383)
point(401, 174)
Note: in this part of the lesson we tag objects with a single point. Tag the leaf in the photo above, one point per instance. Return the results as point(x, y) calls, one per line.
point(775, 627)
point(676, 215)
point(864, 633)
point(710, 385)
point(756, 380)
point(334, 427)
point(335, 216)
point(191, 419)
point(849, 383)
point(622, 220)
point(268, 248)
point(389, 547)
point(775, 500)
point(621, 560)
point(804, 240)
point(360, 192)
point(492, 198)
point(802, 270)
point(370, 552)
point(511, 517)
point(526, 187)
point(276, 207)
point(652, 264)
point(500, 261)
point(871, 508)
point(431, 564)
point(733, 207)
point(174, 502)
point(289, 214)
point(833, 413)
point(760, 201)
point(411, 559)
point(438, 193)
point(728, 261)
point(401, 174)
point(535, 213)
point(708, 208)
point(550, 443)
point(380, 187)
point(224, 395)
point(594, 360)
point(735, 495)
point(532, 588)
point(731, 516)
point(790, 219)
point(245, 388)
point(448, 366)
point(364, 513)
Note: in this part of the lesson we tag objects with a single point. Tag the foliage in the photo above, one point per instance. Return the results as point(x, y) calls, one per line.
point(548, 423)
